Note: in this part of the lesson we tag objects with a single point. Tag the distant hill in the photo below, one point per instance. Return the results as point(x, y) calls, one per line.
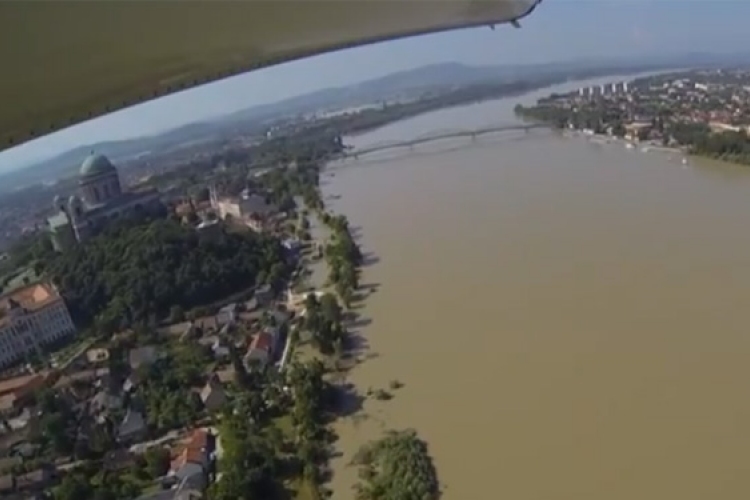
point(407, 83)
point(430, 77)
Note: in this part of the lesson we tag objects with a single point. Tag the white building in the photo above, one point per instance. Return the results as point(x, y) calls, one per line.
point(250, 208)
point(31, 318)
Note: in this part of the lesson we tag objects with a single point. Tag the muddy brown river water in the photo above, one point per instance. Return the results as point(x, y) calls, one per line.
point(570, 320)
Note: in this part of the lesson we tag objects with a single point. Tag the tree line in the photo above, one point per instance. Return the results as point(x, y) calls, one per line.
point(344, 258)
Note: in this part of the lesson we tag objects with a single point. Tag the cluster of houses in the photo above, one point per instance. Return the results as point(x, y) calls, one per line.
point(256, 329)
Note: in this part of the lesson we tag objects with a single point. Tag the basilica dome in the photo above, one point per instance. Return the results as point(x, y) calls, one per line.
point(96, 165)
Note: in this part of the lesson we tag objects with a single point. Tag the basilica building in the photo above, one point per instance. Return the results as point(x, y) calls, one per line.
point(100, 199)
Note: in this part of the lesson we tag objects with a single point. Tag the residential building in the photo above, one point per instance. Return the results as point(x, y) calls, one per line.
point(227, 315)
point(263, 295)
point(142, 356)
point(132, 428)
point(192, 461)
point(117, 460)
point(31, 318)
point(105, 401)
point(190, 488)
point(260, 351)
point(212, 395)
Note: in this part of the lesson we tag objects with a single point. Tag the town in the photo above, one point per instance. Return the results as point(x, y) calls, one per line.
point(700, 111)
point(175, 348)
point(164, 336)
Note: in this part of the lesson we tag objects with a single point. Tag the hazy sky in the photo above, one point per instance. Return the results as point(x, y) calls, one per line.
point(557, 30)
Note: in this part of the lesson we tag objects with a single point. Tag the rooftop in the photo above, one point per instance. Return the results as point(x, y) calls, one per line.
point(22, 383)
point(262, 341)
point(31, 297)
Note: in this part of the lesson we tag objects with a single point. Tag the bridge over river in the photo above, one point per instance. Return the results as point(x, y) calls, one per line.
point(439, 135)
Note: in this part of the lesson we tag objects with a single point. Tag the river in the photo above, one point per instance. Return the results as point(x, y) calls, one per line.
point(569, 319)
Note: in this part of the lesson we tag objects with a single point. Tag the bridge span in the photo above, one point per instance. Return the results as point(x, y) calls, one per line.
point(440, 135)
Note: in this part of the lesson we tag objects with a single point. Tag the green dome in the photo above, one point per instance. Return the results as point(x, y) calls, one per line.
point(96, 165)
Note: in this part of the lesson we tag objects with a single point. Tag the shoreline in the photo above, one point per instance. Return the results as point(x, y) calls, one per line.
point(357, 404)
point(339, 366)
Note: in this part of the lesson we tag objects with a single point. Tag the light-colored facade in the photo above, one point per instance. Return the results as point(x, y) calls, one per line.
point(100, 199)
point(250, 208)
point(31, 318)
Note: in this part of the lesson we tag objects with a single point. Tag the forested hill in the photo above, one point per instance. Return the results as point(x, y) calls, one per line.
point(136, 274)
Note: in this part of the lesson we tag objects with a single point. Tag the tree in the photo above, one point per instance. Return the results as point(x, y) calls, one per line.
point(157, 461)
point(176, 314)
point(136, 273)
point(73, 487)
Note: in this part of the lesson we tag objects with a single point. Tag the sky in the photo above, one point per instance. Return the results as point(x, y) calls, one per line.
point(558, 30)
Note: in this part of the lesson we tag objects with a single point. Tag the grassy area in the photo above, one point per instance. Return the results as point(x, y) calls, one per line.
point(304, 490)
point(284, 424)
point(70, 351)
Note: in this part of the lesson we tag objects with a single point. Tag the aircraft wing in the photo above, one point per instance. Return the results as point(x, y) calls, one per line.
point(64, 62)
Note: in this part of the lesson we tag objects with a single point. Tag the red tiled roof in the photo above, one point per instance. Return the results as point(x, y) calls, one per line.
point(31, 297)
point(187, 456)
point(198, 440)
point(22, 385)
point(194, 451)
point(263, 341)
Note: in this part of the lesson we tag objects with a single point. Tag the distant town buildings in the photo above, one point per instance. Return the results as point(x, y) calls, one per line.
point(613, 88)
point(100, 200)
point(31, 318)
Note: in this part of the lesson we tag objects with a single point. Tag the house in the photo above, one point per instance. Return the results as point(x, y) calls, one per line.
point(105, 401)
point(187, 489)
point(142, 356)
point(220, 349)
point(260, 351)
point(117, 460)
point(250, 304)
point(227, 315)
point(212, 395)
point(37, 480)
point(206, 324)
point(191, 463)
point(132, 428)
point(264, 295)
point(8, 404)
point(22, 420)
point(24, 385)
